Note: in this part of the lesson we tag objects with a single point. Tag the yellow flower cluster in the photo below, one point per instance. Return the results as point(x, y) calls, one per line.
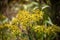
point(25, 17)
point(14, 29)
point(47, 30)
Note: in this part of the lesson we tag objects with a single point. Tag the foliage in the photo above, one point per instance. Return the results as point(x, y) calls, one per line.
point(30, 23)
